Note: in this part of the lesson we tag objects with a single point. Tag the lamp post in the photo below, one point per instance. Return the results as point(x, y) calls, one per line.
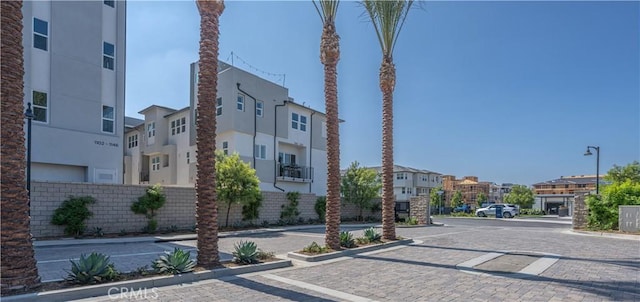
point(440, 192)
point(28, 114)
point(597, 148)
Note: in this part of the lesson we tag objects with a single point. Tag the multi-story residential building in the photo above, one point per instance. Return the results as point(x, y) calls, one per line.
point(74, 59)
point(553, 194)
point(498, 192)
point(408, 182)
point(469, 186)
point(284, 141)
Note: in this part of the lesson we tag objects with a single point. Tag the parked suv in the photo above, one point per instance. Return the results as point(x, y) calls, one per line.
point(508, 210)
point(463, 208)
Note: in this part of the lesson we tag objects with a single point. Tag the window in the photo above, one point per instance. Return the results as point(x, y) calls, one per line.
point(165, 160)
point(286, 158)
point(108, 120)
point(404, 190)
point(409, 191)
point(108, 58)
point(40, 34)
point(260, 151)
point(110, 3)
point(155, 163)
point(225, 148)
point(40, 106)
point(401, 176)
point(219, 106)
point(303, 123)
point(294, 120)
point(240, 101)
point(324, 129)
point(133, 141)
point(298, 121)
point(425, 178)
point(178, 126)
point(151, 129)
point(188, 157)
point(259, 108)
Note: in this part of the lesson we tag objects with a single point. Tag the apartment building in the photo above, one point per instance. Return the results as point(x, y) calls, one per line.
point(74, 56)
point(553, 194)
point(283, 140)
point(497, 192)
point(469, 186)
point(408, 182)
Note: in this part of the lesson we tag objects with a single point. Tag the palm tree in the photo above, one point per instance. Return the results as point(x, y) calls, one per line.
point(18, 260)
point(206, 206)
point(387, 17)
point(329, 56)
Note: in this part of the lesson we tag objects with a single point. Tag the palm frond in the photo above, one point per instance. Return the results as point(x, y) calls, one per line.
point(327, 10)
point(387, 18)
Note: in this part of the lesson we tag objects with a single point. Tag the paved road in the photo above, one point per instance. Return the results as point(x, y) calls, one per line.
point(587, 269)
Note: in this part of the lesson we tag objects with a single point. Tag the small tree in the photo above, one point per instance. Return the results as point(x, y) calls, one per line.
point(251, 210)
point(359, 186)
point(520, 195)
point(456, 200)
point(624, 190)
point(481, 198)
point(72, 213)
point(148, 204)
point(437, 199)
point(236, 182)
point(620, 174)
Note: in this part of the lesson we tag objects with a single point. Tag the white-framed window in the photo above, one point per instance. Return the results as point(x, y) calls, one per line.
point(155, 163)
point(165, 160)
point(108, 55)
point(294, 120)
point(409, 190)
point(225, 148)
point(303, 123)
point(151, 129)
point(259, 108)
point(133, 141)
point(178, 126)
point(219, 106)
point(240, 102)
point(400, 176)
point(40, 34)
point(40, 106)
point(110, 3)
point(108, 119)
point(260, 151)
point(324, 129)
point(298, 121)
point(188, 159)
point(286, 158)
point(404, 190)
point(425, 178)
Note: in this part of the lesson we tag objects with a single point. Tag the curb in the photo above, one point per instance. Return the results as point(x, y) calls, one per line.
point(146, 285)
point(349, 252)
point(604, 234)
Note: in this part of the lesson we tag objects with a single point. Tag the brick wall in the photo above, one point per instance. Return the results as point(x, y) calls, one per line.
point(112, 211)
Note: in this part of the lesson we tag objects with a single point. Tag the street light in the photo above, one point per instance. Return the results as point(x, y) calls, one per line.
point(440, 192)
point(588, 153)
point(28, 114)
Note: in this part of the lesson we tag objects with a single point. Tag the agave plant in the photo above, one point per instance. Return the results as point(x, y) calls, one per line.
point(93, 269)
point(176, 262)
point(372, 235)
point(246, 252)
point(346, 240)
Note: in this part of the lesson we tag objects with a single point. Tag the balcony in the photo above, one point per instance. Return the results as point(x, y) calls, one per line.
point(144, 177)
point(294, 173)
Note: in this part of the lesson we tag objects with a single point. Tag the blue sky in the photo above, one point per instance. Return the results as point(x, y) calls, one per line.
point(507, 91)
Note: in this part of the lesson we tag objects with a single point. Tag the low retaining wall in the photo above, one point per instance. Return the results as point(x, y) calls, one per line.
point(112, 210)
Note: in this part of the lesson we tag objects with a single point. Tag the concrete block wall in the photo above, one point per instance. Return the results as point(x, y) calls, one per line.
point(112, 210)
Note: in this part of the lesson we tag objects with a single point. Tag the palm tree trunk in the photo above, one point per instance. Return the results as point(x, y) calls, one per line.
point(387, 85)
point(18, 269)
point(330, 55)
point(206, 206)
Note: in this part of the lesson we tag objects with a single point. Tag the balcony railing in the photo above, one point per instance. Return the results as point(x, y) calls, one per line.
point(144, 177)
point(294, 172)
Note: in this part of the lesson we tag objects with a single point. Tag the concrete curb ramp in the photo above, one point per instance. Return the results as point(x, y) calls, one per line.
point(143, 285)
point(347, 252)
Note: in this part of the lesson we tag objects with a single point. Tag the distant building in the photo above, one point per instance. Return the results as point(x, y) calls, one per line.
point(469, 186)
point(74, 64)
point(498, 192)
point(553, 194)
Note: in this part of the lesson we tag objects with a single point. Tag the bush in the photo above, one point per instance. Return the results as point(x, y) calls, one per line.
point(262, 255)
point(148, 204)
point(531, 212)
point(251, 210)
point(411, 220)
point(346, 240)
point(246, 252)
point(95, 268)
point(72, 213)
point(372, 235)
point(176, 262)
point(289, 213)
point(321, 207)
point(315, 248)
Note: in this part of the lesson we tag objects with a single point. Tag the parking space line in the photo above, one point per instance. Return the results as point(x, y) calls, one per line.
point(539, 266)
point(319, 289)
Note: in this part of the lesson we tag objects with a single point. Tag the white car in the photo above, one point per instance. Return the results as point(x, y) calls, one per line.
point(508, 210)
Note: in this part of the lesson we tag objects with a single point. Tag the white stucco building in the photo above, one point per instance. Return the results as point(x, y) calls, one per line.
point(74, 59)
point(284, 141)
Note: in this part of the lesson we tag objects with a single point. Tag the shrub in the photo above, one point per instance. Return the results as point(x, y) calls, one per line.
point(362, 240)
point(315, 248)
point(148, 204)
point(531, 212)
point(176, 262)
point(95, 268)
point(411, 220)
point(262, 255)
point(98, 232)
point(372, 235)
point(346, 240)
point(321, 207)
point(246, 252)
point(290, 212)
point(72, 214)
point(251, 210)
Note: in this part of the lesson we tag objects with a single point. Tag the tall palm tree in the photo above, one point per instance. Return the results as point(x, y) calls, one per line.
point(387, 18)
point(18, 260)
point(206, 205)
point(329, 56)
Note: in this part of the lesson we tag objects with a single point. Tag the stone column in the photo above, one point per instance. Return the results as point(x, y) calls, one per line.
point(580, 211)
point(419, 209)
